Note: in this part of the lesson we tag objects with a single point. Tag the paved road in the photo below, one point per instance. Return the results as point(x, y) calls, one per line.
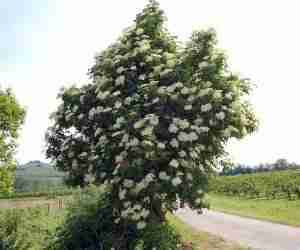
point(248, 232)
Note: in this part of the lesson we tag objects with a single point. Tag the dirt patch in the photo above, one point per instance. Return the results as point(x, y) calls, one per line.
point(56, 203)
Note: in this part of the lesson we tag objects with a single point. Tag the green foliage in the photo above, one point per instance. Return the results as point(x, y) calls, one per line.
point(11, 118)
point(26, 229)
point(90, 224)
point(7, 177)
point(153, 123)
point(271, 185)
point(160, 237)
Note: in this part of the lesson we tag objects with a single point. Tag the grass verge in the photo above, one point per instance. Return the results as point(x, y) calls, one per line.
point(201, 240)
point(278, 211)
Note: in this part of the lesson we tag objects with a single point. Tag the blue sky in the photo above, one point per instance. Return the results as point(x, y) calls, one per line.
point(49, 43)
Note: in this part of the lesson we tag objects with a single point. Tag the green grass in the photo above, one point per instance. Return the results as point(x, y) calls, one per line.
point(201, 240)
point(28, 229)
point(278, 211)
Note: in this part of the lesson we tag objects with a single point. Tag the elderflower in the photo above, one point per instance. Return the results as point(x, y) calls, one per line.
point(198, 201)
point(145, 213)
point(228, 96)
point(122, 194)
point(182, 153)
point(161, 145)
point(120, 80)
point(176, 181)
point(207, 107)
point(139, 124)
point(189, 176)
point(174, 163)
point(220, 115)
point(163, 176)
point(119, 158)
point(118, 105)
point(183, 137)
point(198, 121)
point(218, 94)
point(203, 64)
point(139, 31)
point(185, 91)
point(103, 95)
point(154, 120)
point(128, 183)
point(142, 77)
point(120, 70)
point(174, 143)
point(141, 225)
point(188, 107)
point(173, 128)
point(81, 116)
point(193, 136)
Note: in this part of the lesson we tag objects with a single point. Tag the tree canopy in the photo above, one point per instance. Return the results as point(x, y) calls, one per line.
point(154, 122)
point(11, 118)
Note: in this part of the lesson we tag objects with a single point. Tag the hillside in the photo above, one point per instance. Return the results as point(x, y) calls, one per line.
point(37, 169)
point(36, 176)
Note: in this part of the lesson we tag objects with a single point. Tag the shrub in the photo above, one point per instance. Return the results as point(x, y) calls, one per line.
point(89, 222)
point(90, 225)
point(160, 237)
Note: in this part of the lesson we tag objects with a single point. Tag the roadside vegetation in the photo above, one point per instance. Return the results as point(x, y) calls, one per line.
point(79, 224)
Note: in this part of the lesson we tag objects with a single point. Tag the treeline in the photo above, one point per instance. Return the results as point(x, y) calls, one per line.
point(280, 164)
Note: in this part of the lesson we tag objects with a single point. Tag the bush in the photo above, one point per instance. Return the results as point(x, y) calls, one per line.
point(90, 225)
point(160, 237)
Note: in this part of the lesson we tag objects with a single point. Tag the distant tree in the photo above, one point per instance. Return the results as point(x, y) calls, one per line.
point(155, 121)
point(11, 118)
point(281, 164)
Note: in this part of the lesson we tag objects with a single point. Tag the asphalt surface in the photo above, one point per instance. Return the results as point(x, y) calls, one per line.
point(253, 233)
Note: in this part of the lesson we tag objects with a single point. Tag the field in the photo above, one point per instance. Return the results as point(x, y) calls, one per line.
point(270, 185)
